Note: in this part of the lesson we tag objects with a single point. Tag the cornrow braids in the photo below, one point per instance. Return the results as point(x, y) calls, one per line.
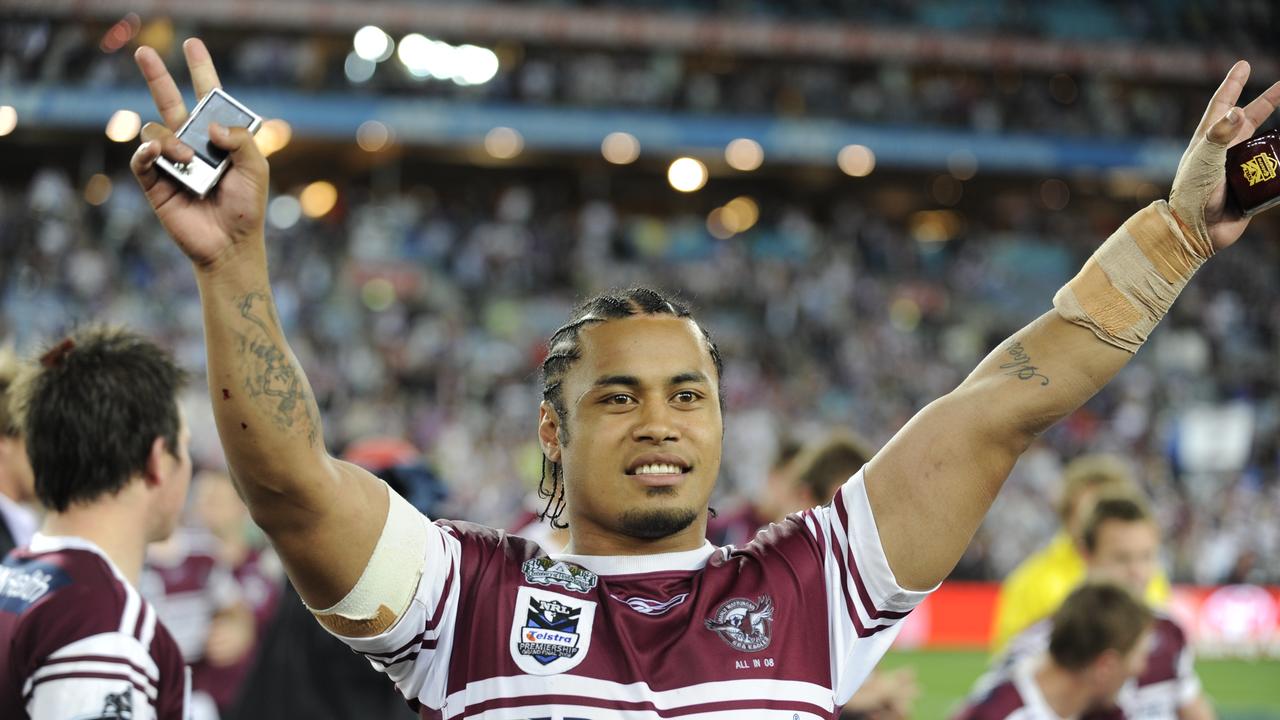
point(564, 348)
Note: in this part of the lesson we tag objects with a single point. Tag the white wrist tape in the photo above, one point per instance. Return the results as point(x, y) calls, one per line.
point(1133, 278)
point(389, 581)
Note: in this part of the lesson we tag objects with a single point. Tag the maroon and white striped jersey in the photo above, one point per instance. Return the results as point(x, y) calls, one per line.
point(1017, 697)
point(1167, 683)
point(78, 641)
point(786, 626)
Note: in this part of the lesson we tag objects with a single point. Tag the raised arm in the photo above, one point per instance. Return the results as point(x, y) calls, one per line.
point(323, 516)
point(931, 486)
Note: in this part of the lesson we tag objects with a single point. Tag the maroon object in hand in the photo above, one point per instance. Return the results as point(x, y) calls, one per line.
point(1253, 172)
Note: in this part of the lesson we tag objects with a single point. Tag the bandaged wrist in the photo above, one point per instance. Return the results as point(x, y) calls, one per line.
point(389, 581)
point(1133, 278)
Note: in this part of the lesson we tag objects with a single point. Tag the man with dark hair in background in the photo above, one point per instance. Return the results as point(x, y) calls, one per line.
point(775, 500)
point(1034, 589)
point(471, 621)
point(109, 448)
point(1120, 543)
point(1098, 641)
point(18, 520)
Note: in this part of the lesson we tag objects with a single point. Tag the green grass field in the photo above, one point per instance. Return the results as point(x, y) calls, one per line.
point(1240, 689)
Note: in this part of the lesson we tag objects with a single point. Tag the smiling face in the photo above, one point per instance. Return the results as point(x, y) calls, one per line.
point(640, 448)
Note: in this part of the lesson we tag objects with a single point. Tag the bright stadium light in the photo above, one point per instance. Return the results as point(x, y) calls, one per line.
point(503, 143)
point(745, 211)
point(284, 211)
point(358, 69)
point(273, 136)
point(474, 65)
point(98, 189)
point(413, 52)
point(8, 119)
point(123, 126)
point(318, 199)
point(856, 160)
point(744, 154)
point(687, 174)
point(620, 148)
point(373, 136)
point(372, 44)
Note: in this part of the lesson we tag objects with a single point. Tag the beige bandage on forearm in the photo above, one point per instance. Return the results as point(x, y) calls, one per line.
point(1133, 278)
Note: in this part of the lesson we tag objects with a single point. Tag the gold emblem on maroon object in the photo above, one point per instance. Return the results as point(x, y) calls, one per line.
point(1260, 168)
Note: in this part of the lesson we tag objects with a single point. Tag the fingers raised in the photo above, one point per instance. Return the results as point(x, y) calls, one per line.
point(165, 94)
point(1257, 112)
point(1224, 99)
point(203, 75)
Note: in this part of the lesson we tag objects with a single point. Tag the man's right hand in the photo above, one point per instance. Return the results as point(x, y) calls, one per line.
point(231, 216)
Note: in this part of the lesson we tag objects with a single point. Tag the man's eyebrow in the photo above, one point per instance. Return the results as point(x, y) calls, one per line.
point(627, 380)
point(692, 376)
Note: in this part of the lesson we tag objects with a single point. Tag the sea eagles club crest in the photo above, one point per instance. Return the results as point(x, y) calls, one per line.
point(745, 625)
point(546, 571)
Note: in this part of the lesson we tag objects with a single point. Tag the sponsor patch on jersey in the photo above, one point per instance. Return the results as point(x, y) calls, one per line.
point(648, 606)
point(550, 633)
point(547, 571)
point(745, 625)
point(23, 583)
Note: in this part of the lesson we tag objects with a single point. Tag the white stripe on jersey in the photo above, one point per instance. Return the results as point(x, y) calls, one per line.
point(514, 686)
point(148, 625)
point(864, 583)
point(543, 710)
point(132, 606)
point(80, 667)
point(125, 648)
point(427, 650)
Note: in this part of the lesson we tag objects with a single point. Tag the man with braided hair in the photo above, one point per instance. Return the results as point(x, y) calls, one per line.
point(642, 616)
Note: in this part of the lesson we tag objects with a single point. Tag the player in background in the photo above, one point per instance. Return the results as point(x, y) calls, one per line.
point(1121, 544)
point(256, 570)
point(470, 621)
point(108, 445)
point(1034, 589)
point(775, 500)
point(1098, 640)
point(18, 519)
point(199, 599)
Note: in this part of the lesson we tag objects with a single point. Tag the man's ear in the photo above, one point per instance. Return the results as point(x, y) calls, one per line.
point(156, 462)
point(549, 431)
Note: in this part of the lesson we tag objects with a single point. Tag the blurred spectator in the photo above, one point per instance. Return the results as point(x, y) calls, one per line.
point(195, 594)
point(256, 570)
point(18, 519)
point(1037, 586)
point(1097, 642)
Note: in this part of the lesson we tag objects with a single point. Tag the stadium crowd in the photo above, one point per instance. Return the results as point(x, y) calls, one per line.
point(987, 100)
point(422, 314)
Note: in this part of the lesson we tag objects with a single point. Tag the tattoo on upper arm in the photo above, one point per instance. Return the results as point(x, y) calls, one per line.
point(271, 375)
point(1020, 365)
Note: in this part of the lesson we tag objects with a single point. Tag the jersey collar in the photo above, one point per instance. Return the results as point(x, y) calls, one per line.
point(607, 565)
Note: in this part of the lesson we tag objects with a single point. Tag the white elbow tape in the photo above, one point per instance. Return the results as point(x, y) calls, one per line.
point(389, 581)
point(1131, 281)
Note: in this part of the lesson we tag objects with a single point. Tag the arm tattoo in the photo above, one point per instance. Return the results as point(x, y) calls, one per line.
point(271, 376)
point(1019, 365)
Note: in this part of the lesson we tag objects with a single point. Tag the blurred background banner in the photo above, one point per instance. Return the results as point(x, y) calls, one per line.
point(1228, 621)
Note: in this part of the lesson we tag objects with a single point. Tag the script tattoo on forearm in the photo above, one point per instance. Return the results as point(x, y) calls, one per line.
point(1020, 365)
point(271, 376)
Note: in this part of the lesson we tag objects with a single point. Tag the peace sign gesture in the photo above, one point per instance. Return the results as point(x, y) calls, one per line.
point(232, 214)
point(1199, 194)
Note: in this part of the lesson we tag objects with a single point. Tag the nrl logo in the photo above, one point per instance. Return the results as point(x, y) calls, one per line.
point(546, 571)
point(745, 625)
